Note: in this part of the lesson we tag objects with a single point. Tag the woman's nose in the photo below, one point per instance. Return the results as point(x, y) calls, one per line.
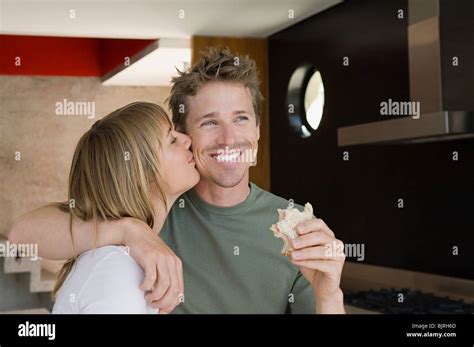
point(186, 140)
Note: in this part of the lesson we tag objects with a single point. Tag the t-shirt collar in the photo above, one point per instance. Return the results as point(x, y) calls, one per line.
point(230, 210)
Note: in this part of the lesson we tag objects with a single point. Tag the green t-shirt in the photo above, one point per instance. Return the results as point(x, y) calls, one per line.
point(231, 260)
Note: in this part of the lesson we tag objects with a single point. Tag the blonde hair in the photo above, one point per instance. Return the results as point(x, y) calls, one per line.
point(216, 64)
point(115, 170)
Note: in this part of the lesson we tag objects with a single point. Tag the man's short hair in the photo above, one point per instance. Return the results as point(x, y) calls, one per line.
point(216, 64)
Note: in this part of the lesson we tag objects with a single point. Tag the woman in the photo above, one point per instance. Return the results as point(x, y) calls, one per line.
point(131, 163)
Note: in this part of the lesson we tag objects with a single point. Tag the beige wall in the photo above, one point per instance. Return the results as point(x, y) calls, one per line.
point(46, 141)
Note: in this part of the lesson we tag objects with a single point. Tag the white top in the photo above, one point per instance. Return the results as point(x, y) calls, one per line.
point(104, 280)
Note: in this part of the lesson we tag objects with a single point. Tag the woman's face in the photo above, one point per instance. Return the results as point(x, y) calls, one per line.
point(179, 168)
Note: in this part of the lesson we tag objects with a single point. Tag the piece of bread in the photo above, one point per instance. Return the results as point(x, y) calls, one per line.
point(285, 228)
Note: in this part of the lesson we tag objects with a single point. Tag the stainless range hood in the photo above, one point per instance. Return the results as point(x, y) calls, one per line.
point(441, 52)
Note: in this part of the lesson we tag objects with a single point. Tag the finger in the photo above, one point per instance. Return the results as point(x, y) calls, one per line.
point(320, 265)
point(165, 309)
point(150, 276)
point(180, 296)
point(171, 297)
point(313, 253)
point(162, 284)
point(314, 238)
point(179, 267)
point(169, 309)
point(315, 224)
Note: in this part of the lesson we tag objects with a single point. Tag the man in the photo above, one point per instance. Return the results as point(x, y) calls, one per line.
point(218, 232)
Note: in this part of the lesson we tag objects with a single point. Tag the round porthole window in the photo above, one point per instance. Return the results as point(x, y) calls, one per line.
point(305, 100)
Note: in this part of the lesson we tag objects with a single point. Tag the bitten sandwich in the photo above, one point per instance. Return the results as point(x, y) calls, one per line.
point(285, 228)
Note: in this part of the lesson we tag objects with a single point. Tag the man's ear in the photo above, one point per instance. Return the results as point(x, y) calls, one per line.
point(258, 131)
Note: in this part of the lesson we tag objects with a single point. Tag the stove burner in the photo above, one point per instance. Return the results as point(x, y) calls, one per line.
point(387, 301)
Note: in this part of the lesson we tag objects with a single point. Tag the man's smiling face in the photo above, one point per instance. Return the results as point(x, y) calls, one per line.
point(221, 122)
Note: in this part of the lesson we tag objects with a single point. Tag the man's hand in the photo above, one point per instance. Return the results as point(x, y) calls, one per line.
point(163, 280)
point(321, 259)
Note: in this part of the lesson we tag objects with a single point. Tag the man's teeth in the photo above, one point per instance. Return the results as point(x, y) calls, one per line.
point(227, 157)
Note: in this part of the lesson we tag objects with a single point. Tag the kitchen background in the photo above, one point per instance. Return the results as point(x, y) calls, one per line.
point(422, 250)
